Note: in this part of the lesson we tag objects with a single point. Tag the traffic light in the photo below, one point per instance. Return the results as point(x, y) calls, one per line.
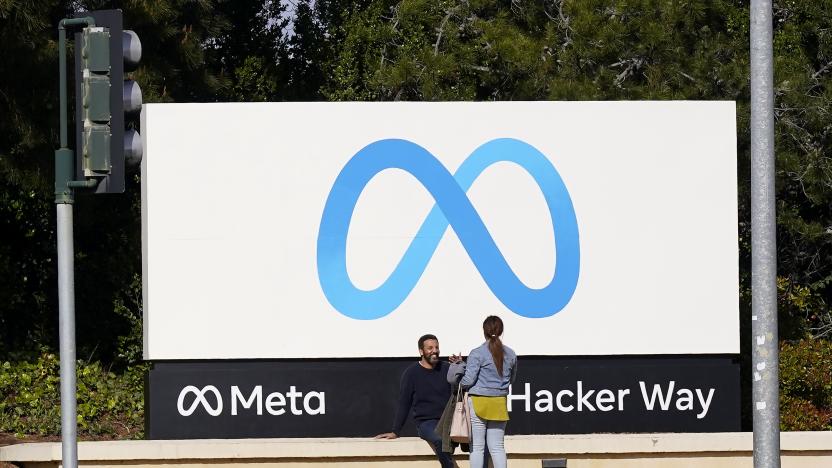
point(106, 105)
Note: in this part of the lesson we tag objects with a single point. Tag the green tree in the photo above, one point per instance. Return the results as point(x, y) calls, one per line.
point(306, 52)
point(803, 134)
point(107, 242)
point(27, 132)
point(246, 54)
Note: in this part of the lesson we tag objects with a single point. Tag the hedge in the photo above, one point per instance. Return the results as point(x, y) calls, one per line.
point(110, 405)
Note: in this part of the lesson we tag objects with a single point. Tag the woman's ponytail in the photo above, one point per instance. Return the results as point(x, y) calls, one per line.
point(492, 328)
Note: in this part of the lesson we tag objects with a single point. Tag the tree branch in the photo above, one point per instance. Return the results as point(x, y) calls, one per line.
point(441, 30)
point(821, 71)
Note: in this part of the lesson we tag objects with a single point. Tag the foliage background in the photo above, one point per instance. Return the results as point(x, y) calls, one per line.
point(262, 50)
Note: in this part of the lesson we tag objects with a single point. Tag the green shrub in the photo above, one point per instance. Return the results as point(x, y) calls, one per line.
point(109, 404)
point(806, 385)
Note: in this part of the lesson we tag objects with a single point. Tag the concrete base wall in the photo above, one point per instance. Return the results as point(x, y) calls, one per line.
point(726, 450)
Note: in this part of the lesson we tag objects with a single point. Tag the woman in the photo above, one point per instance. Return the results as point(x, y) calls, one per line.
point(490, 369)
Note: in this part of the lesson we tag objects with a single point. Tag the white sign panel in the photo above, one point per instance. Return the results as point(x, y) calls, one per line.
point(298, 230)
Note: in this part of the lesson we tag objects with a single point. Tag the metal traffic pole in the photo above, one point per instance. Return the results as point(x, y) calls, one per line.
point(64, 197)
point(765, 352)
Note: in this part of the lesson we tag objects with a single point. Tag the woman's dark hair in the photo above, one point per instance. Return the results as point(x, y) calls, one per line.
point(492, 328)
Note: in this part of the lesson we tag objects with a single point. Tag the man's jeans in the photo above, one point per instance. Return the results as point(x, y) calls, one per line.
point(426, 432)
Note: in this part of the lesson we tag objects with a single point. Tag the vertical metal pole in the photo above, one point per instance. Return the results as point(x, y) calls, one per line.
point(765, 350)
point(66, 301)
point(64, 173)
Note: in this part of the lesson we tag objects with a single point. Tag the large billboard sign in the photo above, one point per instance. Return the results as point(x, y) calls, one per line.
point(346, 230)
point(294, 253)
point(357, 398)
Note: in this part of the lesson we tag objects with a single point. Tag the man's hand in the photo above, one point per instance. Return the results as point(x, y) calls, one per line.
point(453, 359)
point(387, 435)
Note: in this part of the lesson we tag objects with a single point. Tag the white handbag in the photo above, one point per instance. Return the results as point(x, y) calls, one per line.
point(461, 420)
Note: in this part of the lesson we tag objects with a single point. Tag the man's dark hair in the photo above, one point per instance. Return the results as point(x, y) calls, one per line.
point(424, 338)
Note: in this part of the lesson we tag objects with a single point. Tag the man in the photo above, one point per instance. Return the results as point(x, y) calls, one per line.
point(425, 390)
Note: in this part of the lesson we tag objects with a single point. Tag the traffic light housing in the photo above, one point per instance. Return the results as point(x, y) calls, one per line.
point(106, 105)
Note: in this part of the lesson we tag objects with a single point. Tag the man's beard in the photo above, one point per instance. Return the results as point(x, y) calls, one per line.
point(431, 358)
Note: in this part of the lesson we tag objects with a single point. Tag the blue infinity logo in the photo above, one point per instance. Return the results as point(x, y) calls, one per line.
point(452, 208)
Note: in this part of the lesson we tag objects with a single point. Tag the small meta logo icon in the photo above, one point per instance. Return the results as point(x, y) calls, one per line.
point(200, 399)
point(453, 208)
